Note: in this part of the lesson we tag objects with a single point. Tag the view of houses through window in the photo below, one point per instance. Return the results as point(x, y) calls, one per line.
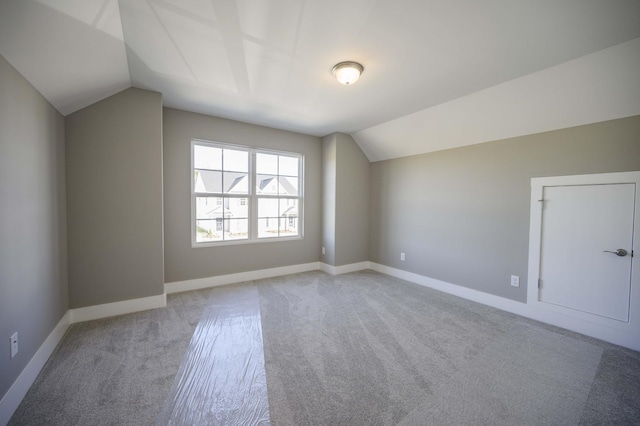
point(242, 193)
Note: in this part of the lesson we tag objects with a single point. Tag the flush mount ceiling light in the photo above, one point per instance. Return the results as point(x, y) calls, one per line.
point(347, 72)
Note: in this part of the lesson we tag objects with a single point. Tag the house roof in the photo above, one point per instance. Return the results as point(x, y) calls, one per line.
point(283, 181)
point(219, 212)
point(213, 180)
point(437, 73)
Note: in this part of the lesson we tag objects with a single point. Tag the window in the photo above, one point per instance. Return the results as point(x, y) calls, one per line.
point(243, 194)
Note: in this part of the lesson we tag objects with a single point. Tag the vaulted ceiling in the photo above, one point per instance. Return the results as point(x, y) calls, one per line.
point(438, 73)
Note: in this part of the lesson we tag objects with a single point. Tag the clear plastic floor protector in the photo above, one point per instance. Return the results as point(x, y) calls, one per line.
point(222, 379)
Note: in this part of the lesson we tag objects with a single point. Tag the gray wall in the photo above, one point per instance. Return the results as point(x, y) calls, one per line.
point(33, 248)
point(462, 215)
point(346, 177)
point(329, 176)
point(182, 262)
point(114, 199)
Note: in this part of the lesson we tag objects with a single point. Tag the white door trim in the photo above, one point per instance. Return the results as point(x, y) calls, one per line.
point(557, 315)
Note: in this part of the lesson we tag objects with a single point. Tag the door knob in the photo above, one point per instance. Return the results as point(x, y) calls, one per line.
point(619, 252)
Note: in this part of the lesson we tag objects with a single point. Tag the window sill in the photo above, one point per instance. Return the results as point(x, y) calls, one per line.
point(239, 242)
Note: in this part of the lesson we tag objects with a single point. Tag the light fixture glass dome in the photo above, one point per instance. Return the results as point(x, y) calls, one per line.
point(347, 72)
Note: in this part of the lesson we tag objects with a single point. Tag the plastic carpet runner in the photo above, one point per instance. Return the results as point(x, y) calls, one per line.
point(222, 377)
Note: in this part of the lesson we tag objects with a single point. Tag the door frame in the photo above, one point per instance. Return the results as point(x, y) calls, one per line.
point(625, 334)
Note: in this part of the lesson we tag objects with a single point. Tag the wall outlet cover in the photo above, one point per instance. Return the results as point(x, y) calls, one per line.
point(515, 281)
point(14, 344)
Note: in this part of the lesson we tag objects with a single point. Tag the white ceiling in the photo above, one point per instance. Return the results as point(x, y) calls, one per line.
point(438, 73)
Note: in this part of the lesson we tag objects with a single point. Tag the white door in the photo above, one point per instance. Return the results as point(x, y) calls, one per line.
point(586, 248)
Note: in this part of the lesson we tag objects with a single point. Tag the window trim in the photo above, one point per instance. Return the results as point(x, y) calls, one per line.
point(252, 197)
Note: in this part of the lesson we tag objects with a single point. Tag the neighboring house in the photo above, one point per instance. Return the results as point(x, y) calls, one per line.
point(229, 214)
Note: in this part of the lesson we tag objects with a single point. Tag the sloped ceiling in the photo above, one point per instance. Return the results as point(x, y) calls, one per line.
point(438, 73)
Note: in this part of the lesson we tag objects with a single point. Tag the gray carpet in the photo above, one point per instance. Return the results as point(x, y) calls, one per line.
point(355, 349)
point(115, 371)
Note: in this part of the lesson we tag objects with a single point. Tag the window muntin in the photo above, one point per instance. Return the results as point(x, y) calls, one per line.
point(245, 194)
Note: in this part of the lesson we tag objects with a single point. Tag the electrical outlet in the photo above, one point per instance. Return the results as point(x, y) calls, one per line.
point(14, 344)
point(324, 251)
point(515, 281)
point(402, 257)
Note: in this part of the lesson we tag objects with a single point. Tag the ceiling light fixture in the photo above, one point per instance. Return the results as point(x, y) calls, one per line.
point(347, 72)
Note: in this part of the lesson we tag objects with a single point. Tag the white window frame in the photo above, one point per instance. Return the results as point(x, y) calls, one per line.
point(252, 197)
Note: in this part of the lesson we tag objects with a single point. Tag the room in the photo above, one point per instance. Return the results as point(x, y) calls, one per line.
point(414, 186)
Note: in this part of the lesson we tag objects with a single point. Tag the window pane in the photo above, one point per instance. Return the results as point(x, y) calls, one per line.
point(267, 227)
point(209, 208)
point(268, 207)
point(207, 181)
point(236, 183)
point(288, 207)
point(288, 185)
point(236, 161)
point(236, 208)
point(206, 157)
point(288, 226)
point(266, 184)
point(236, 229)
point(267, 164)
point(288, 166)
point(206, 231)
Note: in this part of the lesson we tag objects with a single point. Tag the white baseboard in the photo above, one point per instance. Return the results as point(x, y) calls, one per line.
point(200, 283)
point(456, 290)
point(344, 269)
point(208, 282)
point(20, 387)
point(598, 331)
point(117, 308)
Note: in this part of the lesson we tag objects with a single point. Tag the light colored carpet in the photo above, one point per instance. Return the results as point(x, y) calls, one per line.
point(115, 371)
point(527, 377)
point(355, 349)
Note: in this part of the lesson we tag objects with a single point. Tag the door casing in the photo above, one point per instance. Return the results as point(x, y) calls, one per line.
point(626, 334)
